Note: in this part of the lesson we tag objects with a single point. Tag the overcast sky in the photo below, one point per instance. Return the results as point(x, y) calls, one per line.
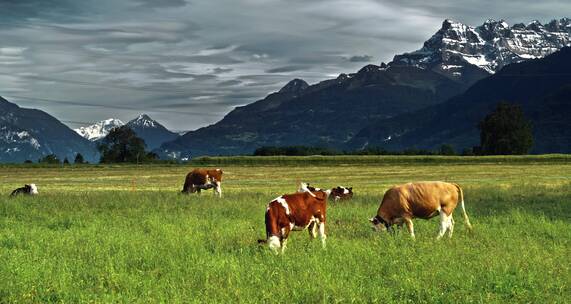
point(187, 63)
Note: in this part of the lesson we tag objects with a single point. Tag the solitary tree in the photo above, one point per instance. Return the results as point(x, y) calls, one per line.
point(65, 161)
point(122, 145)
point(505, 131)
point(446, 149)
point(78, 159)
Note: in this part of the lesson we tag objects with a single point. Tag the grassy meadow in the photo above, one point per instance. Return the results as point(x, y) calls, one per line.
point(124, 234)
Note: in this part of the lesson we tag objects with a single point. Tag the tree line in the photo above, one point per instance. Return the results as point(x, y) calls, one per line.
point(504, 131)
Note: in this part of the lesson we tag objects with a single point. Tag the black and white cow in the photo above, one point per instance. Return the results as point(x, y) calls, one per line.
point(30, 189)
point(336, 194)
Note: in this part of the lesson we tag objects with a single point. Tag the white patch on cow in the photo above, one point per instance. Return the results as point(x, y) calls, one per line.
point(345, 190)
point(328, 192)
point(274, 243)
point(33, 189)
point(284, 204)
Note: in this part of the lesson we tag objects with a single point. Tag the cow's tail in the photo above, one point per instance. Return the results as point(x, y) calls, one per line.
point(464, 214)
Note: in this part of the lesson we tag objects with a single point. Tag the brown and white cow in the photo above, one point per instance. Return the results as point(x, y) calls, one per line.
point(338, 193)
point(420, 200)
point(203, 179)
point(298, 211)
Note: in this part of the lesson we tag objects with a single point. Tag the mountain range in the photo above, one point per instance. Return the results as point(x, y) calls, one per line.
point(342, 113)
point(542, 87)
point(29, 134)
point(151, 131)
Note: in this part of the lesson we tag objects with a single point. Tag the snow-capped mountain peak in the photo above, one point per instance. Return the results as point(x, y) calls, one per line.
point(151, 131)
point(143, 120)
point(456, 48)
point(100, 129)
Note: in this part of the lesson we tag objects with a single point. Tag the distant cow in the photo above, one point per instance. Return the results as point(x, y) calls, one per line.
point(298, 211)
point(30, 189)
point(420, 200)
point(203, 179)
point(337, 193)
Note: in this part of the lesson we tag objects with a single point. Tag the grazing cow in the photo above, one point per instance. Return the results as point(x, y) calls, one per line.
point(420, 200)
point(203, 179)
point(30, 189)
point(338, 193)
point(341, 193)
point(298, 211)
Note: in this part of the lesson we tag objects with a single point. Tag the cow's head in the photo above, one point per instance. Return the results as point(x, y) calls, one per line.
point(379, 224)
point(31, 189)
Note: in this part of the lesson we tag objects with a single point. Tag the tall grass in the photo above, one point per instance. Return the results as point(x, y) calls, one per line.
point(94, 236)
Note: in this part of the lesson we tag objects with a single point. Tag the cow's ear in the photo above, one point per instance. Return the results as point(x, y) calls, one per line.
point(350, 188)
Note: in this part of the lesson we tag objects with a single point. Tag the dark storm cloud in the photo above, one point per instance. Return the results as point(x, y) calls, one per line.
point(162, 3)
point(229, 83)
point(361, 58)
point(202, 58)
point(286, 69)
point(221, 70)
point(19, 10)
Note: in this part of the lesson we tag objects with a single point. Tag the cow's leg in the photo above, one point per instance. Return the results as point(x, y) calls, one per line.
point(218, 189)
point(410, 227)
point(312, 230)
point(285, 234)
point(398, 222)
point(444, 224)
point(450, 227)
point(322, 235)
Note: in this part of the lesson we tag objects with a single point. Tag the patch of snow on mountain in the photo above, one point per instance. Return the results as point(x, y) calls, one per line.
point(18, 137)
point(99, 130)
point(143, 120)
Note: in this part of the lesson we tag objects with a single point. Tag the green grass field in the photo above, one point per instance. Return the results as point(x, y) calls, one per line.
point(125, 234)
